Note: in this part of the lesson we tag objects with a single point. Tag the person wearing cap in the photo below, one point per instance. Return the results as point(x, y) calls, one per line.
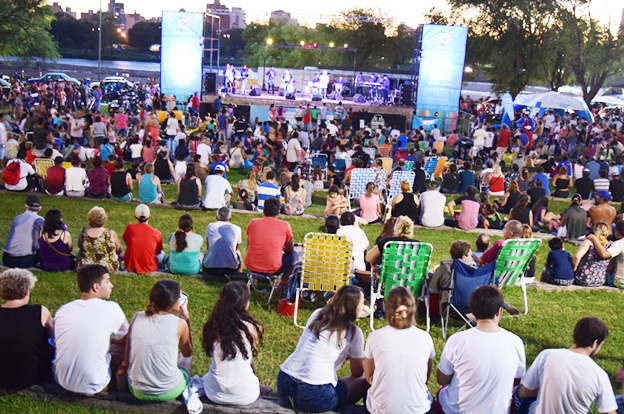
point(144, 251)
point(432, 204)
point(584, 185)
point(216, 188)
point(602, 211)
point(22, 246)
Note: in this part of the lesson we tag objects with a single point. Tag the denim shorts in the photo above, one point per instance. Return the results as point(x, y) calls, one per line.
point(312, 398)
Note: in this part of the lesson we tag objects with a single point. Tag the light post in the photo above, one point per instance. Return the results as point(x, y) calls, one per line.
point(269, 42)
point(100, 45)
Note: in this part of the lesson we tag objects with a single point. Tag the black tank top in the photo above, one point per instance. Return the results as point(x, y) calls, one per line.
point(188, 192)
point(161, 169)
point(25, 355)
point(406, 207)
point(119, 187)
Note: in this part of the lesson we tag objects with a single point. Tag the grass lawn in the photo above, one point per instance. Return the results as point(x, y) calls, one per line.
point(549, 323)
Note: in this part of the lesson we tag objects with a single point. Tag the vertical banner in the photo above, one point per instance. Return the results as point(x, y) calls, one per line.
point(181, 53)
point(441, 68)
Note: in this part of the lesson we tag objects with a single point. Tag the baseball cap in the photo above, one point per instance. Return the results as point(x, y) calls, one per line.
point(604, 194)
point(219, 168)
point(33, 201)
point(577, 197)
point(434, 184)
point(142, 211)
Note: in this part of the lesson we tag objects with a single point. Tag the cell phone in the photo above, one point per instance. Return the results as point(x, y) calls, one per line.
point(183, 298)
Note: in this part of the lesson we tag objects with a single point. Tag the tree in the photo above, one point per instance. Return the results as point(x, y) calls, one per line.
point(23, 29)
point(144, 34)
point(70, 32)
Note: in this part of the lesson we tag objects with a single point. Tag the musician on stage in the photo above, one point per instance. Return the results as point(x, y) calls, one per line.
point(271, 80)
point(339, 85)
point(323, 82)
point(359, 81)
point(287, 79)
point(386, 88)
point(244, 77)
point(228, 75)
point(372, 90)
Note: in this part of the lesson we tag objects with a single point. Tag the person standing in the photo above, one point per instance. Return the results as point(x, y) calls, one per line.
point(293, 153)
point(271, 80)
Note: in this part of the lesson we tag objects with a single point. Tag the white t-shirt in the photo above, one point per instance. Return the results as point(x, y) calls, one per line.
point(75, 178)
point(316, 360)
point(360, 244)
point(3, 133)
point(74, 125)
point(25, 170)
point(395, 133)
point(179, 169)
point(432, 204)
point(479, 137)
point(293, 150)
point(333, 129)
point(568, 383)
point(204, 151)
point(216, 187)
point(489, 139)
point(400, 378)
point(172, 126)
point(484, 366)
point(82, 333)
point(136, 149)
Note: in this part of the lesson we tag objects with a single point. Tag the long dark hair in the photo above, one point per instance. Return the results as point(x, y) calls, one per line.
point(294, 182)
point(517, 210)
point(190, 171)
point(53, 222)
point(228, 319)
point(185, 224)
point(339, 314)
point(163, 295)
point(542, 202)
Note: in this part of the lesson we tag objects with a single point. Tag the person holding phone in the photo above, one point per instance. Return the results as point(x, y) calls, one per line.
point(156, 371)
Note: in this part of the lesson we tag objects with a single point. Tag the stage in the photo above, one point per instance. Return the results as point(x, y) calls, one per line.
point(258, 106)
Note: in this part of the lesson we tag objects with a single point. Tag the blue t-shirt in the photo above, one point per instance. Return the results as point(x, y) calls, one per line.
point(466, 178)
point(593, 168)
point(222, 120)
point(560, 264)
point(545, 182)
point(105, 151)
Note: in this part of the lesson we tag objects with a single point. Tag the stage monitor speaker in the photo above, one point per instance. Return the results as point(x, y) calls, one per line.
point(210, 82)
point(406, 94)
point(317, 98)
point(290, 96)
point(357, 98)
point(255, 91)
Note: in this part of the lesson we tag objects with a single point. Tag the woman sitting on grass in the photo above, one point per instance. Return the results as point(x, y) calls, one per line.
point(185, 247)
point(157, 372)
point(189, 189)
point(55, 244)
point(307, 380)
point(491, 218)
point(521, 212)
point(97, 244)
point(370, 205)
point(98, 179)
point(589, 268)
point(120, 182)
point(336, 202)
point(541, 215)
point(509, 199)
point(231, 339)
point(150, 189)
point(406, 203)
point(386, 357)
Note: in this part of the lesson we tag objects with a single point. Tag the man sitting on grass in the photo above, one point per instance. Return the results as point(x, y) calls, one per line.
point(89, 335)
point(22, 247)
point(568, 380)
point(223, 239)
point(468, 217)
point(144, 252)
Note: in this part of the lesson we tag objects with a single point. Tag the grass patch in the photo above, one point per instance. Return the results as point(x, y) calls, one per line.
point(549, 323)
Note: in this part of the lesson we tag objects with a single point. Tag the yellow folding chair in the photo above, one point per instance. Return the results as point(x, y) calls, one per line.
point(439, 167)
point(42, 165)
point(387, 164)
point(326, 265)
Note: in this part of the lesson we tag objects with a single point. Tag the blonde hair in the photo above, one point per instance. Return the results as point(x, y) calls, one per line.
point(527, 232)
point(497, 170)
point(601, 230)
point(404, 227)
point(16, 283)
point(400, 308)
point(513, 187)
point(405, 186)
point(251, 179)
point(149, 168)
point(97, 217)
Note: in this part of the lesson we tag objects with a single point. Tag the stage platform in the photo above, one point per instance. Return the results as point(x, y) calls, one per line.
point(266, 99)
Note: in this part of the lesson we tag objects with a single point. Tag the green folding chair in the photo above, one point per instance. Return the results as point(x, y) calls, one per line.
point(404, 263)
point(512, 262)
point(409, 165)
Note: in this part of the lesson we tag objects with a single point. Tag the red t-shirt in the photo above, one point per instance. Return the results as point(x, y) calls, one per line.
point(266, 238)
point(143, 243)
point(110, 167)
point(503, 138)
point(490, 254)
point(55, 178)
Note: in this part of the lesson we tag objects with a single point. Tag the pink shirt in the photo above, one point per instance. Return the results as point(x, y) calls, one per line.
point(121, 121)
point(368, 205)
point(266, 238)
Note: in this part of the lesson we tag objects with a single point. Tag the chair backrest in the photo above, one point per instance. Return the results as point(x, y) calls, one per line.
point(423, 145)
point(340, 165)
point(430, 166)
point(402, 141)
point(513, 260)
point(409, 165)
point(384, 150)
point(466, 279)
point(42, 165)
point(370, 151)
point(438, 146)
point(359, 178)
point(387, 164)
point(326, 262)
point(405, 263)
point(395, 182)
point(439, 167)
point(319, 160)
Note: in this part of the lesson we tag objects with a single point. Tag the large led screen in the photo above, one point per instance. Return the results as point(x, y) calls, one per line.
point(441, 67)
point(181, 53)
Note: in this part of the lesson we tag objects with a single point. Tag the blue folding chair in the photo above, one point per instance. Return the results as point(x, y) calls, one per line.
point(430, 166)
point(402, 142)
point(465, 280)
point(319, 159)
point(340, 165)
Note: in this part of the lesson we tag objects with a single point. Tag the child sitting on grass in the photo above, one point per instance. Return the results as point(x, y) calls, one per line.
point(559, 268)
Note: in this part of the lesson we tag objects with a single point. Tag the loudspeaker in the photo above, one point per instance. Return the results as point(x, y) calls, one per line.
point(317, 98)
point(290, 96)
point(255, 91)
point(210, 83)
point(406, 94)
point(357, 98)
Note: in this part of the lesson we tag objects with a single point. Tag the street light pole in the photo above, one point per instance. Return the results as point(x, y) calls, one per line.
point(100, 45)
point(264, 68)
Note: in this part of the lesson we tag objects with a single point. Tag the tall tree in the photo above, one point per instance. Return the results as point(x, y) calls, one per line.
point(23, 29)
point(144, 34)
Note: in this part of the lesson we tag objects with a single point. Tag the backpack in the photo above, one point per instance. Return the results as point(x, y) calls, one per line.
point(11, 174)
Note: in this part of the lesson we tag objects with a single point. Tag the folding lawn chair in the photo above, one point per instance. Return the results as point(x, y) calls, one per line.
point(326, 265)
point(404, 263)
point(42, 165)
point(465, 280)
point(370, 151)
point(431, 165)
point(274, 281)
point(340, 165)
point(395, 182)
point(439, 168)
point(387, 164)
point(319, 159)
point(359, 178)
point(423, 145)
point(402, 142)
point(409, 165)
point(512, 261)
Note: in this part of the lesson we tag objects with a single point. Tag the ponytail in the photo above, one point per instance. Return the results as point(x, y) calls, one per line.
point(185, 224)
point(180, 239)
point(150, 309)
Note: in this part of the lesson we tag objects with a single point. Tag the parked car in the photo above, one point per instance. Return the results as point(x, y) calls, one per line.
point(6, 87)
point(113, 80)
point(55, 77)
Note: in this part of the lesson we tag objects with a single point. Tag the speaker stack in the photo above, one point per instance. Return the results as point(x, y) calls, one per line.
point(406, 94)
point(358, 98)
point(255, 91)
point(210, 82)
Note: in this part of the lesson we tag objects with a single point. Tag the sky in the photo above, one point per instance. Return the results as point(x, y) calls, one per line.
point(404, 11)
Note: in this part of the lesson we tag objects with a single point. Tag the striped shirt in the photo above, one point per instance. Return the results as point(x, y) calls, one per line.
point(265, 191)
